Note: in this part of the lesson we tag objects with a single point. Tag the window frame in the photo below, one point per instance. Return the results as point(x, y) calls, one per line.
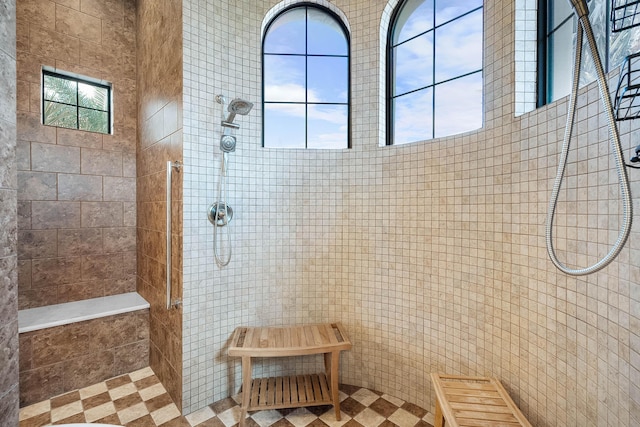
point(390, 75)
point(306, 103)
point(78, 79)
point(544, 62)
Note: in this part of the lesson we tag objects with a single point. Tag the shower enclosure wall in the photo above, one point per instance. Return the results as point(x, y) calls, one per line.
point(76, 190)
point(9, 364)
point(458, 280)
point(432, 254)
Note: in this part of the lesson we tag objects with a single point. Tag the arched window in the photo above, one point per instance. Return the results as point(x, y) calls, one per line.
point(434, 69)
point(305, 77)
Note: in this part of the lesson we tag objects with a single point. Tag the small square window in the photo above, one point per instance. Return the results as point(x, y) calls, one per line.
point(75, 103)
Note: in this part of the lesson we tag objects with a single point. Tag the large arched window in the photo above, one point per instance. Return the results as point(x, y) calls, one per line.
point(305, 77)
point(434, 69)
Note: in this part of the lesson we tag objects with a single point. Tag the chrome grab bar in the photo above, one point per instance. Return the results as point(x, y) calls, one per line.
point(170, 166)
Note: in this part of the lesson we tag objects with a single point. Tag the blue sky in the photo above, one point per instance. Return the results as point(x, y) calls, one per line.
point(291, 76)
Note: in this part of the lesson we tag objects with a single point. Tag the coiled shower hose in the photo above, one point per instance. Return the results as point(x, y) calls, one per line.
point(585, 26)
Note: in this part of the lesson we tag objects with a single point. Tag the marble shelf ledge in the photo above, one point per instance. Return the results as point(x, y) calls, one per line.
point(33, 319)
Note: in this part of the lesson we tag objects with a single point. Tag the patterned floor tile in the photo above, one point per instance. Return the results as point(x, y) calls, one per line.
point(139, 399)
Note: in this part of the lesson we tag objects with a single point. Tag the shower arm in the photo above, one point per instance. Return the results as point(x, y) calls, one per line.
point(585, 27)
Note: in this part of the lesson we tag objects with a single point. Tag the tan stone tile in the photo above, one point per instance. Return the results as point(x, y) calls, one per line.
point(132, 413)
point(164, 414)
point(143, 375)
point(66, 411)
point(77, 24)
point(123, 390)
point(93, 390)
point(35, 409)
point(64, 399)
point(151, 392)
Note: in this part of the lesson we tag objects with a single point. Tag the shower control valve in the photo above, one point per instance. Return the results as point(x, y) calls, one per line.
point(219, 214)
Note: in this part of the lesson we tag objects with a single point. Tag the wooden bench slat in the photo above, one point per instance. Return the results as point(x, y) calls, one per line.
point(474, 402)
point(485, 416)
point(465, 422)
point(467, 386)
point(500, 409)
point(475, 399)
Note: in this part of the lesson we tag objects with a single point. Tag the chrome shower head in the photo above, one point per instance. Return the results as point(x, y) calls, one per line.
point(580, 6)
point(237, 106)
point(240, 106)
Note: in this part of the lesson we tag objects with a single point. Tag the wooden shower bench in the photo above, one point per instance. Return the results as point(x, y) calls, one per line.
point(293, 391)
point(474, 401)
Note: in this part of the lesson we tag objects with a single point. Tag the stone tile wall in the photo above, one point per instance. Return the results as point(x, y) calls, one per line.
point(64, 358)
point(76, 190)
point(8, 220)
point(432, 255)
point(160, 139)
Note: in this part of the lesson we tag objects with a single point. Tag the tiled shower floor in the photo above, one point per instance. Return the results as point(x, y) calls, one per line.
point(138, 399)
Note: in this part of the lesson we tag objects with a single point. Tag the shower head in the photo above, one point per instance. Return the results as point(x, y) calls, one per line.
point(237, 106)
point(580, 7)
point(240, 106)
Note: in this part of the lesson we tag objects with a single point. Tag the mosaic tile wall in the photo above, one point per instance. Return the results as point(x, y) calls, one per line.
point(431, 254)
point(8, 219)
point(76, 190)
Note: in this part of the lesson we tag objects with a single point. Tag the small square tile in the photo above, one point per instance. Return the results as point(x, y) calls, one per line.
point(300, 417)
point(351, 407)
point(123, 390)
point(231, 416)
point(222, 405)
point(37, 421)
point(133, 413)
point(414, 409)
point(364, 396)
point(403, 418)
point(65, 399)
point(127, 401)
point(348, 389)
point(35, 409)
point(164, 414)
point(383, 407)
point(369, 418)
point(158, 402)
point(200, 416)
point(118, 381)
point(73, 419)
point(151, 392)
point(144, 421)
point(211, 422)
point(93, 390)
point(141, 374)
point(97, 400)
point(266, 418)
point(66, 411)
point(99, 412)
point(146, 382)
point(176, 422)
point(109, 419)
point(394, 400)
point(329, 418)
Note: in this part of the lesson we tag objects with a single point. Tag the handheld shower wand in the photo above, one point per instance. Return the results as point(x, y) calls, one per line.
point(584, 27)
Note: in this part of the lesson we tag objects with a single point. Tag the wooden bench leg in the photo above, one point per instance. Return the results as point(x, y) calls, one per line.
point(438, 419)
point(246, 388)
point(331, 365)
